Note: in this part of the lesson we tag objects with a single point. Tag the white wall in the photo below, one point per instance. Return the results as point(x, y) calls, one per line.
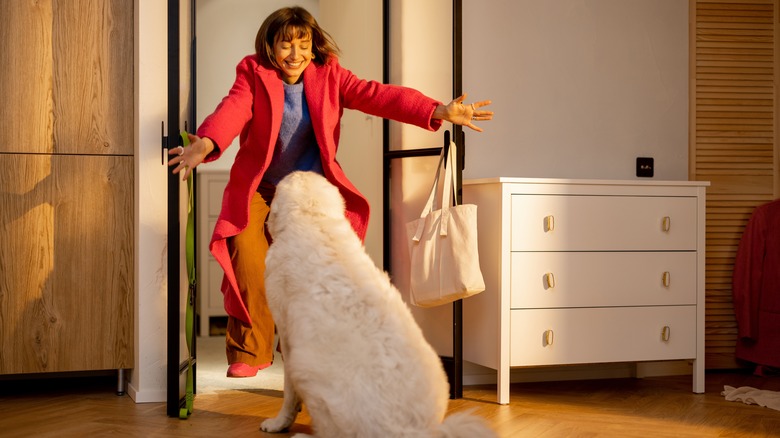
point(580, 87)
point(356, 25)
point(147, 379)
point(421, 58)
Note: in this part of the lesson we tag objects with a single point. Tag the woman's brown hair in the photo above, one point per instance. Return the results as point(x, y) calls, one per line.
point(288, 23)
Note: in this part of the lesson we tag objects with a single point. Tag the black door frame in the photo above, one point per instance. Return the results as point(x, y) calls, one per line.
point(177, 367)
point(452, 365)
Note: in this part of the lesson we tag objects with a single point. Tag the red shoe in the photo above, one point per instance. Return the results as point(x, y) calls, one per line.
point(240, 369)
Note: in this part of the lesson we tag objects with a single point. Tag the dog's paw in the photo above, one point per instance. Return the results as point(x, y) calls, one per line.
point(276, 424)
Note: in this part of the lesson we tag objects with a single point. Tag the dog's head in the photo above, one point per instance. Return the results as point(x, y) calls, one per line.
point(303, 197)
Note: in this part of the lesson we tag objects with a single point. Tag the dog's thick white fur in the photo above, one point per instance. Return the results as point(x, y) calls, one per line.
point(351, 348)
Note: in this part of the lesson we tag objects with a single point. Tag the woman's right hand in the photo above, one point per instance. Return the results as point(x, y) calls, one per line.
point(189, 157)
point(461, 114)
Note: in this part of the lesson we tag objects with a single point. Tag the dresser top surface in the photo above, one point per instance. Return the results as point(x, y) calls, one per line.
point(584, 182)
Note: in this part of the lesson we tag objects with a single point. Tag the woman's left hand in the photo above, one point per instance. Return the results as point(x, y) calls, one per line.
point(463, 114)
point(185, 159)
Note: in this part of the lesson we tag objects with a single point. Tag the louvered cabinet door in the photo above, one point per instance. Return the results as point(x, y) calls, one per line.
point(733, 141)
point(66, 289)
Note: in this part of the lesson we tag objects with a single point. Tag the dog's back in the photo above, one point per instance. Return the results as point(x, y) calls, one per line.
point(354, 352)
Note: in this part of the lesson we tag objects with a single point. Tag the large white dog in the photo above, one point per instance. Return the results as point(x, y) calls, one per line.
point(352, 351)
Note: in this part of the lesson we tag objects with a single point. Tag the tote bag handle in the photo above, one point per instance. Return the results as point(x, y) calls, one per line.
point(448, 193)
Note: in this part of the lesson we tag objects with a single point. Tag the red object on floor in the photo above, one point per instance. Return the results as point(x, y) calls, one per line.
point(240, 369)
point(756, 287)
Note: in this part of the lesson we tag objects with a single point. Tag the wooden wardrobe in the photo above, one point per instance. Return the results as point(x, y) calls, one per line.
point(66, 185)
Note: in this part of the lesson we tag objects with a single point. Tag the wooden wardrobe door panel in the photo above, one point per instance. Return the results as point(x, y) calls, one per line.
point(66, 290)
point(26, 77)
point(93, 77)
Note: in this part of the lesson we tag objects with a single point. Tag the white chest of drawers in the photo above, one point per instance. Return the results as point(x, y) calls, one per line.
point(586, 271)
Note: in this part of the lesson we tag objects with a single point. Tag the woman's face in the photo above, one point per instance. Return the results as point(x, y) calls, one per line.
point(293, 57)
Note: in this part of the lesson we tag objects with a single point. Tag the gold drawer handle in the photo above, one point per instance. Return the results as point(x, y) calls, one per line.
point(666, 333)
point(549, 279)
point(548, 337)
point(667, 279)
point(549, 223)
point(667, 224)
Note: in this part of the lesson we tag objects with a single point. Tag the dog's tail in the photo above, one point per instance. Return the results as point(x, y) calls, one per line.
point(465, 425)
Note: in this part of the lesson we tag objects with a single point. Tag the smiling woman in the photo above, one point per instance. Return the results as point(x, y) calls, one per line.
point(293, 56)
point(286, 105)
point(290, 42)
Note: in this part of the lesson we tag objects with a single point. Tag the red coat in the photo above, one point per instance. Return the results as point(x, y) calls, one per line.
point(253, 109)
point(756, 287)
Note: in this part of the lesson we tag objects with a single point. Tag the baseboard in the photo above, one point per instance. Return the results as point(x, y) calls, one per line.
point(474, 374)
point(667, 368)
point(147, 396)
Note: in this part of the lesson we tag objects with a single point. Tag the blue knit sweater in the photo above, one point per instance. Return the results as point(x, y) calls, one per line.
point(296, 147)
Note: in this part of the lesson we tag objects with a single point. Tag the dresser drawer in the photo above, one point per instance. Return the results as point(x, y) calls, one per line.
point(570, 336)
point(540, 280)
point(602, 223)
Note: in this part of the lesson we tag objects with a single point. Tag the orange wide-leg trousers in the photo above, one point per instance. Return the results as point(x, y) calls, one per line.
point(252, 345)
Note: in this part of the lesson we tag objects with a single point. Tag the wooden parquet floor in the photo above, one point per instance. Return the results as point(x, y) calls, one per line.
point(650, 407)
